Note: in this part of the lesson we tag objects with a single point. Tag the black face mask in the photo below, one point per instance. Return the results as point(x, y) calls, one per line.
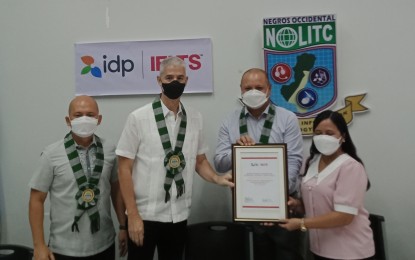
point(174, 89)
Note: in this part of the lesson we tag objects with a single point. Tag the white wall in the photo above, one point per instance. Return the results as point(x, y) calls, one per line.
point(375, 55)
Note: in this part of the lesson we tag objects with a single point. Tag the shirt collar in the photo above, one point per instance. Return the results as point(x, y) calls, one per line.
point(166, 110)
point(93, 144)
point(264, 113)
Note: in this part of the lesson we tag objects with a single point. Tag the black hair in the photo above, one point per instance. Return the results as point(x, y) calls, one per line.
point(347, 146)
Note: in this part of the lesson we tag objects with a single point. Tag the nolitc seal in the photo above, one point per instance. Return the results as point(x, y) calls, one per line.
point(174, 161)
point(88, 195)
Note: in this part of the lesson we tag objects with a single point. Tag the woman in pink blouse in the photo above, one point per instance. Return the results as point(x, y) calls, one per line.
point(333, 190)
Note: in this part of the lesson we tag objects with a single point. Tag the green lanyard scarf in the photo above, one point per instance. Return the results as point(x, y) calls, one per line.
point(88, 193)
point(266, 130)
point(174, 161)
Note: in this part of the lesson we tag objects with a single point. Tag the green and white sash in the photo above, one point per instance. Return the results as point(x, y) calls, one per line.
point(266, 129)
point(174, 161)
point(88, 193)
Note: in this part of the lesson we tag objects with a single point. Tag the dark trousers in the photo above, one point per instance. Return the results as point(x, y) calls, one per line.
point(108, 254)
point(274, 243)
point(169, 238)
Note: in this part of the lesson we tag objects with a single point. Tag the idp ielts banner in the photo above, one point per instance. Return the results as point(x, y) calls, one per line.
point(130, 68)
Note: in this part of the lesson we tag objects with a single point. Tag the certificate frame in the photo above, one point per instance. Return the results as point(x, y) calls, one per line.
point(260, 176)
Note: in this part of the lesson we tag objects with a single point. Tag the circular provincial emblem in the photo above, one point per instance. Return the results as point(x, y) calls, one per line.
point(88, 195)
point(174, 161)
point(320, 77)
point(281, 73)
point(307, 98)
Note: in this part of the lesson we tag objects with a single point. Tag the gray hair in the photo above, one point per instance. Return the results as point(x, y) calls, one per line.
point(171, 61)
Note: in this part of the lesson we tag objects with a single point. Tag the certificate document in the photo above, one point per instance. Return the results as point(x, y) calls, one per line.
point(260, 192)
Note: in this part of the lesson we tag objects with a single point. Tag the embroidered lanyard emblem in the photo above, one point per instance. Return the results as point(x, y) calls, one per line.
point(88, 193)
point(174, 161)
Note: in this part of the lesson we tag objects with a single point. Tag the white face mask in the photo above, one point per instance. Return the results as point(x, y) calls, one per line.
point(84, 126)
point(254, 98)
point(326, 144)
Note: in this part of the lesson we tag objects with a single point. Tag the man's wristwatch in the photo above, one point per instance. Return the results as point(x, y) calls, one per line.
point(302, 226)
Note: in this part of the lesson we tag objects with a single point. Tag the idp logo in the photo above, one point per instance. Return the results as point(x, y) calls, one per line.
point(116, 65)
point(88, 61)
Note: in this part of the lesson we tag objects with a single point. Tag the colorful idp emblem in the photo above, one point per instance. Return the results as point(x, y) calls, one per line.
point(88, 61)
point(303, 81)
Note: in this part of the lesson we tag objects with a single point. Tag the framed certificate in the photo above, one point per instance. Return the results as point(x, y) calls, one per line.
point(260, 177)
